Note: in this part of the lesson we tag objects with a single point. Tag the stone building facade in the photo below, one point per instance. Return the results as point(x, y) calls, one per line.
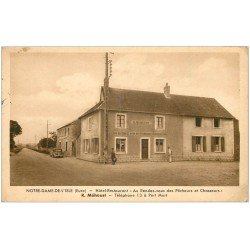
point(67, 137)
point(141, 125)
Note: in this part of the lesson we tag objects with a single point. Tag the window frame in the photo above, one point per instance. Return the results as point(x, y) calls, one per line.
point(199, 151)
point(198, 117)
point(85, 146)
point(126, 145)
point(220, 145)
point(164, 145)
point(163, 122)
point(219, 122)
point(125, 120)
point(89, 124)
point(93, 139)
point(201, 144)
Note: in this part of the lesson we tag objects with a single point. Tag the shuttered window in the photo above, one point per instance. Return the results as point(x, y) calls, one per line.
point(95, 145)
point(199, 144)
point(217, 144)
point(86, 145)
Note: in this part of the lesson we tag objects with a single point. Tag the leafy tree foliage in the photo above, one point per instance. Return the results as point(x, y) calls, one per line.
point(43, 143)
point(15, 129)
point(53, 136)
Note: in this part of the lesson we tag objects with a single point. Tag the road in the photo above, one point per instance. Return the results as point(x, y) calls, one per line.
point(30, 168)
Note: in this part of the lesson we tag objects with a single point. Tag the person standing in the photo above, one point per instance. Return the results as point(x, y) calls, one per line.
point(169, 155)
point(113, 157)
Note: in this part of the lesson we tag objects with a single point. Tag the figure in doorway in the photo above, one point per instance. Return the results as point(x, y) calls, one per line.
point(113, 157)
point(169, 154)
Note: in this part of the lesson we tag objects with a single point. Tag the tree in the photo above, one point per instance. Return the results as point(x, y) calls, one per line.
point(43, 143)
point(15, 130)
point(53, 136)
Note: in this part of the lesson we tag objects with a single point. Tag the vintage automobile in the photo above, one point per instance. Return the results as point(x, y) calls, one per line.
point(56, 152)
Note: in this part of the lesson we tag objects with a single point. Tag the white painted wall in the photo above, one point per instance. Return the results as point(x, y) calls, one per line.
point(86, 133)
point(226, 130)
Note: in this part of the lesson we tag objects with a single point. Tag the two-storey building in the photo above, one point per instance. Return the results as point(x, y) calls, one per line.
point(67, 137)
point(141, 125)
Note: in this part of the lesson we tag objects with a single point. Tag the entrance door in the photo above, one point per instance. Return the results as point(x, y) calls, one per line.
point(73, 149)
point(144, 149)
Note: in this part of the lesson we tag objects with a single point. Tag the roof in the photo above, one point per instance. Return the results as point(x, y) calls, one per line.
point(152, 102)
point(93, 109)
point(70, 123)
point(155, 102)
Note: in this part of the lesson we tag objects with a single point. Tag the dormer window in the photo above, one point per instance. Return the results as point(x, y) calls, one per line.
point(216, 122)
point(198, 121)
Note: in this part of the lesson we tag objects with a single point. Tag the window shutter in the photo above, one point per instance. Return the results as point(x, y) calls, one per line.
point(212, 144)
point(222, 144)
point(204, 144)
point(193, 143)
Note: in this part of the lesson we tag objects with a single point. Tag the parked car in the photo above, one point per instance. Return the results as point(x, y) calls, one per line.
point(56, 152)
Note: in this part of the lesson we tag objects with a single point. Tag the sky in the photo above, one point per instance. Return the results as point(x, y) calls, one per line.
point(59, 87)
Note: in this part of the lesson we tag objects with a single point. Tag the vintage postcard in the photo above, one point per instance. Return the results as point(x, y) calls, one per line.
point(120, 124)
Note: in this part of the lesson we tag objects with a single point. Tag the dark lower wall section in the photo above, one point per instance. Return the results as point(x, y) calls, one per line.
point(236, 140)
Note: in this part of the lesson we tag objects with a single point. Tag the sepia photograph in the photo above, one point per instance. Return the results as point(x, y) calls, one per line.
point(117, 117)
point(124, 125)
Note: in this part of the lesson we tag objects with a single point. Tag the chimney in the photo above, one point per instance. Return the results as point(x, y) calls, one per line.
point(167, 91)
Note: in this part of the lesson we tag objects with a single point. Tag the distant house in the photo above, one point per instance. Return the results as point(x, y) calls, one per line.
point(67, 137)
point(141, 125)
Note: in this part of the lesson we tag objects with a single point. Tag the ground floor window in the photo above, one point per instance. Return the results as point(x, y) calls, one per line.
point(217, 144)
point(121, 145)
point(95, 145)
point(66, 146)
point(83, 145)
point(199, 144)
point(86, 145)
point(160, 145)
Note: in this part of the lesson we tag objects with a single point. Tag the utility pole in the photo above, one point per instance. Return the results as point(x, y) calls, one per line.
point(108, 74)
point(106, 86)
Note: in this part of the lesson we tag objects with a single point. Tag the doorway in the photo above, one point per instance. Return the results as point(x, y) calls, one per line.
point(73, 149)
point(144, 148)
